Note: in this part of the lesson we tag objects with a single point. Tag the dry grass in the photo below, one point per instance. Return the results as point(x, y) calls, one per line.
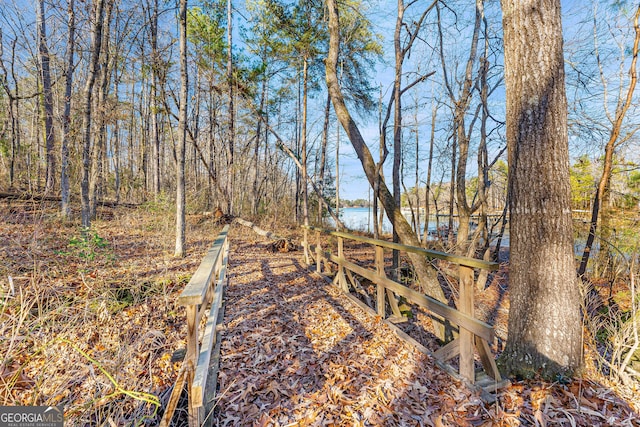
point(89, 320)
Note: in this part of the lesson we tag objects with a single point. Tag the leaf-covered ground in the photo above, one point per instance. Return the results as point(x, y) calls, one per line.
point(90, 322)
point(296, 352)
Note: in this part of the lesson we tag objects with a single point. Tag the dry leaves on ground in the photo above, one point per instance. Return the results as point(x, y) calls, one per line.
point(295, 351)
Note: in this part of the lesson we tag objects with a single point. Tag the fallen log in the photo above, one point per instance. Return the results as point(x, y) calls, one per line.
point(278, 244)
point(28, 197)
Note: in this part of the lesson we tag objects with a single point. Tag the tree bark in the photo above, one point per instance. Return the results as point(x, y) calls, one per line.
point(155, 97)
point(100, 130)
point(96, 44)
point(544, 319)
point(65, 209)
point(424, 271)
point(303, 142)
point(182, 135)
point(45, 75)
point(232, 130)
point(432, 137)
point(323, 157)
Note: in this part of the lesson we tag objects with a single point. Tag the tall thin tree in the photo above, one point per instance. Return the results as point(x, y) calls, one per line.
point(96, 43)
point(66, 115)
point(47, 98)
point(182, 135)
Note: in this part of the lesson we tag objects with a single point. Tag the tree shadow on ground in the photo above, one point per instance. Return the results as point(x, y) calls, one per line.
point(295, 350)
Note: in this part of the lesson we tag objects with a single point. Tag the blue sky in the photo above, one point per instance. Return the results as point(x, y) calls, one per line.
point(353, 184)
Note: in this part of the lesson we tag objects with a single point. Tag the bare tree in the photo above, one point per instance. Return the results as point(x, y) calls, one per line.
point(182, 135)
point(406, 234)
point(614, 141)
point(47, 97)
point(66, 115)
point(96, 44)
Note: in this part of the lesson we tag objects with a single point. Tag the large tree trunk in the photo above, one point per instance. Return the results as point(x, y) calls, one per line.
point(182, 135)
point(544, 319)
point(65, 209)
point(96, 44)
point(424, 271)
point(45, 74)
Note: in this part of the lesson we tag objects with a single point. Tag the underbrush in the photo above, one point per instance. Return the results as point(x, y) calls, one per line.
point(88, 317)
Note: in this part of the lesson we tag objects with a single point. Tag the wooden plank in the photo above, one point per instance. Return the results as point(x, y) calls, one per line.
point(214, 368)
point(484, 395)
point(448, 351)
point(196, 289)
point(456, 259)
point(486, 357)
point(319, 254)
point(393, 302)
point(305, 245)
point(466, 338)
point(192, 334)
point(465, 321)
point(202, 367)
point(342, 280)
point(175, 394)
point(380, 300)
point(195, 412)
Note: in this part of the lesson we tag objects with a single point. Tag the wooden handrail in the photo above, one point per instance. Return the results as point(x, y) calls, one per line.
point(196, 289)
point(470, 323)
point(456, 259)
point(472, 333)
point(203, 293)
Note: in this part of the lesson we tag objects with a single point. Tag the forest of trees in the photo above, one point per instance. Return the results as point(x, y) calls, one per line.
point(245, 106)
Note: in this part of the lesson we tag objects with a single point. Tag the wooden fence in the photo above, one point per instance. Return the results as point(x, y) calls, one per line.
point(203, 292)
point(474, 335)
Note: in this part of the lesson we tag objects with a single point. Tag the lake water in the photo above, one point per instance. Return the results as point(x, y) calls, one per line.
point(361, 219)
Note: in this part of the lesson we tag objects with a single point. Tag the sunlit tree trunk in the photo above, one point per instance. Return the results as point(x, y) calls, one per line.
point(232, 130)
point(155, 97)
point(65, 209)
point(406, 234)
point(99, 147)
point(96, 44)
point(303, 142)
point(544, 334)
point(182, 135)
point(47, 98)
point(432, 137)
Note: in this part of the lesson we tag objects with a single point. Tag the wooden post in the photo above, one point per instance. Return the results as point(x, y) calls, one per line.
point(341, 279)
point(466, 338)
point(318, 254)
point(305, 244)
point(192, 358)
point(380, 302)
point(393, 302)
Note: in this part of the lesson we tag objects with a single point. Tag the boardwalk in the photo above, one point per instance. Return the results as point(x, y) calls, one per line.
point(295, 351)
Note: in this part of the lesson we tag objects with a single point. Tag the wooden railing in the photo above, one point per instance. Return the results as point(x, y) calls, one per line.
point(472, 333)
point(203, 292)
